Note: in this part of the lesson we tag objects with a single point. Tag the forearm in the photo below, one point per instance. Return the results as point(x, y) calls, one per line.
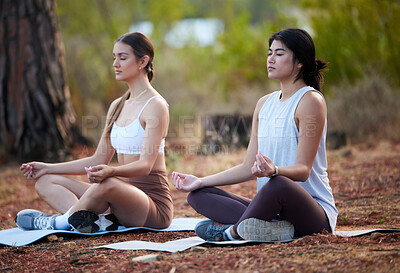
point(234, 175)
point(134, 169)
point(74, 166)
point(298, 172)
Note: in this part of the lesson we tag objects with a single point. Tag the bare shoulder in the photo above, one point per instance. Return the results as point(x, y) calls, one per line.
point(314, 96)
point(157, 106)
point(159, 102)
point(311, 103)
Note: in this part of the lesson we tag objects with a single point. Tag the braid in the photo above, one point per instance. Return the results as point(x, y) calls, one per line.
point(115, 112)
point(150, 71)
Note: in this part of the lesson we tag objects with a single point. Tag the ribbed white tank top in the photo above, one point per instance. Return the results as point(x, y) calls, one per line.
point(129, 139)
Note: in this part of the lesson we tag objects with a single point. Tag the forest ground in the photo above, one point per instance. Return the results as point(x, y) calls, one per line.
point(365, 180)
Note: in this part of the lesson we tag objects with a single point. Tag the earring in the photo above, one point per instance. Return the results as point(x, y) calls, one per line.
point(140, 68)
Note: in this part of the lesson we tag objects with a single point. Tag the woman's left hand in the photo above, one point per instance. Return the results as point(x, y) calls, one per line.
point(263, 166)
point(96, 174)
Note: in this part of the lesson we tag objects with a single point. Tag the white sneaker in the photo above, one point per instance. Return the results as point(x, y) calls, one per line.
point(31, 219)
point(263, 231)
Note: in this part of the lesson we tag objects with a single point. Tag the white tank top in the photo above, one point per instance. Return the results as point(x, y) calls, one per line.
point(278, 138)
point(128, 139)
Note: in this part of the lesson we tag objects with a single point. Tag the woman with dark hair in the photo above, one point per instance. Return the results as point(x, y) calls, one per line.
point(286, 153)
point(134, 193)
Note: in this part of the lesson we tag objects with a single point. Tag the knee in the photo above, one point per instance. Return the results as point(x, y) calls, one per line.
point(194, 196)
point(278, 184)
point(107, 186)
point(191, 197)
point(44, 182)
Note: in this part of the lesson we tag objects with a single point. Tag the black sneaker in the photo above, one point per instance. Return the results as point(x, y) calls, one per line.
point(264, 231)
point(210, 230)
point(86, 221)
point(30, 219)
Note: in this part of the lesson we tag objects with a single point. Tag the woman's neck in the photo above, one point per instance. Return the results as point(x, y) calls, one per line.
point(138, 87)
point(289, 88)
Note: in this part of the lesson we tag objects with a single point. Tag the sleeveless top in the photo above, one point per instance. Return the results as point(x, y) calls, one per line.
point(278, 139)
point(128, 139)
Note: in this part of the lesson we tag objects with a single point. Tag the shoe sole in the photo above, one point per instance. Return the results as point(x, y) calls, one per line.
point(113, 219)
point(84, 221)
point(260, 230)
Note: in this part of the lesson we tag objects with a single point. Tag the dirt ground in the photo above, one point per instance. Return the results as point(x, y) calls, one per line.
point(365, 181)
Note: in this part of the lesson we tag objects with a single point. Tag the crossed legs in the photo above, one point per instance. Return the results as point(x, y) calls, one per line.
point(281, 198)
point(128, 203)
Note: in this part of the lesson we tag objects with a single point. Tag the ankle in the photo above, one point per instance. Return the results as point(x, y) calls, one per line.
point(230, 233)
point(234, 234)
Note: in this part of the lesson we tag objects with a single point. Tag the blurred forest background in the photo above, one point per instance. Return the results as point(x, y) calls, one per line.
point(227, 73)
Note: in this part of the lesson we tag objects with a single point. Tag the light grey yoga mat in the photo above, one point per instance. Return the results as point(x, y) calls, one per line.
point(18, 237)
point(173, 246)
point(184, 244)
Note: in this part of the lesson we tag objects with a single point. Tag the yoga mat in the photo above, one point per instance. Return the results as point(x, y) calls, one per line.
point(18, 237)
point(174, 246)
point(184, 244)
point(354, 233)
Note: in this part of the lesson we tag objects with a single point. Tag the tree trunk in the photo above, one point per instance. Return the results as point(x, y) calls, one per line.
point(37, 120)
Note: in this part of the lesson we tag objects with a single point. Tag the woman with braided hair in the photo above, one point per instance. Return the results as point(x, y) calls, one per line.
point(134, 193)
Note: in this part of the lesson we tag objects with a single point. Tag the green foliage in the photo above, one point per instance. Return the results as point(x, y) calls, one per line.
point(236, 63)
point(163, 14)
point(356, 37)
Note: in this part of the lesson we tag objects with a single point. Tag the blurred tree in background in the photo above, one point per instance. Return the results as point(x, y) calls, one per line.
point(37, 119)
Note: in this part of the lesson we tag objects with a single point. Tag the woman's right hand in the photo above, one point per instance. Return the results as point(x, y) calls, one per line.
point(185, 182)
point(33, 170)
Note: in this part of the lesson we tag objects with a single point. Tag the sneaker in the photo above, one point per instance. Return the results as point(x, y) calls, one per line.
point(30, 219)
point(264, 231)
point(210, 230)
point(86, 221)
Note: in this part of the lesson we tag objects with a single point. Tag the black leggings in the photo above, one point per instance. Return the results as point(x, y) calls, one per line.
point(281, 198)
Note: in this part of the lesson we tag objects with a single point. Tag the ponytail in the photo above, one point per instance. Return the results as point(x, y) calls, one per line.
point(313, 77)
point(115, 112)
